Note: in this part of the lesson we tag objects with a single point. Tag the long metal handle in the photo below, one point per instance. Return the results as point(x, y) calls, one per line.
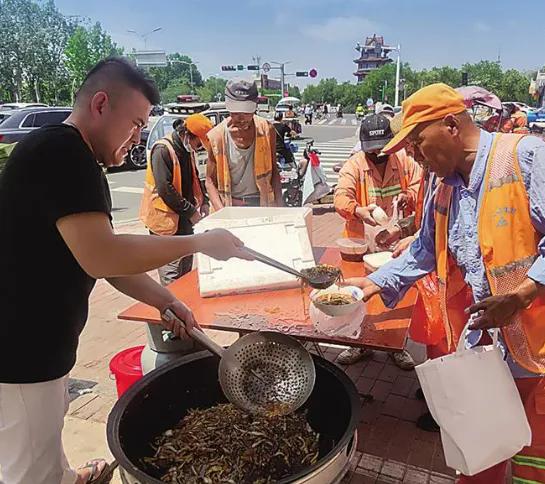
point(274, 263)
point(197, 335)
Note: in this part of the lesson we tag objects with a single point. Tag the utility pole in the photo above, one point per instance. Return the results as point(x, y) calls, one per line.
point(257, 61)
point(190, 64)
point(281, 67)
point(282, 80)
point(398, 73)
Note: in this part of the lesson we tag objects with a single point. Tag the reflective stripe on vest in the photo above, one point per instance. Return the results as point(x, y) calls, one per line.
point(262, 161)
point(508, 243)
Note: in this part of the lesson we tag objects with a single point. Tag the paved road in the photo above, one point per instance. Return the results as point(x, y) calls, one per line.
point(334, 141)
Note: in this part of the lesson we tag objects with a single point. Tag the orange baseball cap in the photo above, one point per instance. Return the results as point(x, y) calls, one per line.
point(199, 125)
point(427, 104)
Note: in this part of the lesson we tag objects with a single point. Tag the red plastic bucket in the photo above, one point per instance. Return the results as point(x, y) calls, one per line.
point(126, 367)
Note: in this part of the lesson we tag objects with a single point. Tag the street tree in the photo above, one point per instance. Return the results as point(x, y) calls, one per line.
point(515, 86)
point(213, 89)
point(179, 66)
point(32, 40)
point(487, 74)
point(85, 47)
point(174, 88)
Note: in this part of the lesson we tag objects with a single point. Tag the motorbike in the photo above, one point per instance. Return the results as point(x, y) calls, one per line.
point(293, 193)
point(339, 113)
point(308, 118)
point(288, 171)
point(360, 115)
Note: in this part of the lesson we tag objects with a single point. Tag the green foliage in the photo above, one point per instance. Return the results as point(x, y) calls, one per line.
point(86, 47)
point(32, 41)
point(178, 68)
point(175, 88)
point(515, 86)
point(44, 57)
point(212, 90)
point(509, 85)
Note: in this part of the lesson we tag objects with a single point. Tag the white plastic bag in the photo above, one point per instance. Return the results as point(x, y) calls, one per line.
point(472, 396)
point(371, 232)
point(315, 184)
point(347, 326)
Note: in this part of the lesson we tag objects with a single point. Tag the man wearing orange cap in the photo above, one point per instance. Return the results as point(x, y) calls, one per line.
point(482, 232)
point(173, 199)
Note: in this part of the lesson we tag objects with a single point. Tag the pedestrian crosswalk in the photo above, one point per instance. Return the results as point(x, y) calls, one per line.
point(331, 153)
point(336, 122)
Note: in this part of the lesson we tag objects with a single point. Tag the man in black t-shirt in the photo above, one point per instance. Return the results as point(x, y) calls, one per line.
point(56, 239)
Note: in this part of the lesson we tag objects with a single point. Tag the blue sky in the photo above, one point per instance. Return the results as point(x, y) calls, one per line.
point(322, 33)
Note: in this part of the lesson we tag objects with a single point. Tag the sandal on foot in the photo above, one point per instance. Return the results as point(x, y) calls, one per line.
point(100, 471)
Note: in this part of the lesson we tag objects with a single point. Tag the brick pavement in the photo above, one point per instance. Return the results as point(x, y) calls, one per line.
point(390, 449)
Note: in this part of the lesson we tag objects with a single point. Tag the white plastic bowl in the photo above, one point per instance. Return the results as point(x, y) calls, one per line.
point(341, 310)
point(352, 249)
point(375, 261)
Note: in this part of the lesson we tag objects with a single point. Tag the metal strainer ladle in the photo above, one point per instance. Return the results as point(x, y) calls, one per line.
point(319, 281)
point(265, 372)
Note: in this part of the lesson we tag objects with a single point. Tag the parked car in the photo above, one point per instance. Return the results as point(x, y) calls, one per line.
point(536, 119)
point(5, 115)
point(17, 123)
point(20, 122)
point(215, 111)
point(11, 106)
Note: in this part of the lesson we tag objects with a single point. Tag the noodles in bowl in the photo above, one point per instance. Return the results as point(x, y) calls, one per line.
point(337, 301)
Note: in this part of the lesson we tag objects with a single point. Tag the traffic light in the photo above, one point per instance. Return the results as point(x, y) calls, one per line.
point(252, 68)
point(301, 74)
point(240, 67)
point(228, 68)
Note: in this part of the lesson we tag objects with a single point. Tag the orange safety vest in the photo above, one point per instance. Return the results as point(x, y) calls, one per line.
point(263, 161)
point(427, 325)
point(156, 215)
point(508, 243)
point(354, 228)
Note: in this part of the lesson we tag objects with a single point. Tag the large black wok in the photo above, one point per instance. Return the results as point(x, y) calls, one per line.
point(161, 399)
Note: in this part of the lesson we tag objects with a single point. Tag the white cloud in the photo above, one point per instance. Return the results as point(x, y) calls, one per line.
point(481, 27)
point(341, 29)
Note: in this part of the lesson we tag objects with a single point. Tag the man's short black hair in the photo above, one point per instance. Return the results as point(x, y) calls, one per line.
point(118, 70)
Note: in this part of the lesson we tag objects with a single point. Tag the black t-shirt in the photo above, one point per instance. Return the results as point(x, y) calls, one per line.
point(282, 130)
point(44, 292)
